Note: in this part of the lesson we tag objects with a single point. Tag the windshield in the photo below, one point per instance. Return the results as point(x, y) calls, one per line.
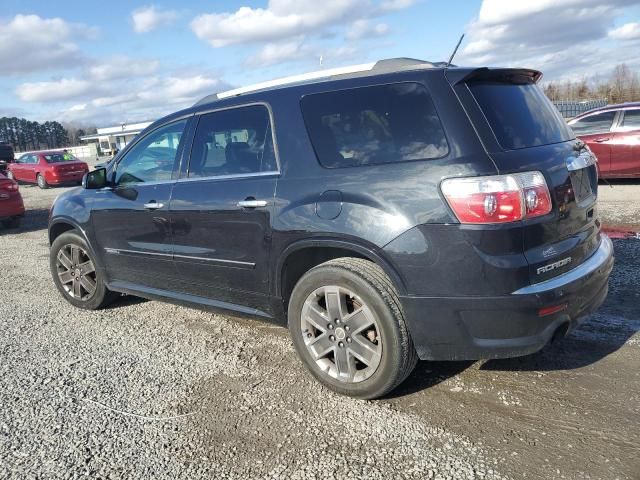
point(520, 115)
point(59, 157)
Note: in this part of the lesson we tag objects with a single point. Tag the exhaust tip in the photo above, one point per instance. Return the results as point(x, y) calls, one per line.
point(560, 332)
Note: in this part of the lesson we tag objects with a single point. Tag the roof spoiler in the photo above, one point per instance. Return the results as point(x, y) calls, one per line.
point(507, 75)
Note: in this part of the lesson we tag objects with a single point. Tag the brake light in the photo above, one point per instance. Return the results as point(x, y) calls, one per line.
point(9, 186)
point(498, 198)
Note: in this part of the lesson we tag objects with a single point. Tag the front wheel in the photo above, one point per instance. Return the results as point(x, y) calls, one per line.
point(42, 183)
point(348, 328)
point(75, 274)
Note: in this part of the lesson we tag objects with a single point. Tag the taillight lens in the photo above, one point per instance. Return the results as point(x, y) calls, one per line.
point(9, 186)
point(498, 198)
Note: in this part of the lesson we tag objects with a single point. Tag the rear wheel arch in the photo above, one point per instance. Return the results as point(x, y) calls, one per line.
point(299, 258)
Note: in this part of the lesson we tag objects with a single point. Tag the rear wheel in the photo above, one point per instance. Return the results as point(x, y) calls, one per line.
point(348, 328)
point(42, 183)
point(75, 274)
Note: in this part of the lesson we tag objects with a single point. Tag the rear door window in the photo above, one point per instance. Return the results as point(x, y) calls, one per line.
point(374, 125)
point(594, 124)
point(520, 114)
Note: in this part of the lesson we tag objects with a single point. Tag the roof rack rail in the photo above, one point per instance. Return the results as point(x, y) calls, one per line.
point(381, 66)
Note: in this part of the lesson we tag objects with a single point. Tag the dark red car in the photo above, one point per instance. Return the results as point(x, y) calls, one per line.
point(613, 134)
point(47, 168)
point(11, 205)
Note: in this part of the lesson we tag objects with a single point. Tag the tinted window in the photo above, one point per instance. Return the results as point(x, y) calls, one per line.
point(152, 159)
point(373, 125)
point(520, 115)
point(233, 142)
point(631, 119)
point(596, 123)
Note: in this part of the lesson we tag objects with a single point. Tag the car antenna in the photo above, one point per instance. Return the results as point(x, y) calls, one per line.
point(455, 50)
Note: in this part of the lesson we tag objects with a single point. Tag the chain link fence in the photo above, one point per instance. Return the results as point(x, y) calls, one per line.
point(572, 108)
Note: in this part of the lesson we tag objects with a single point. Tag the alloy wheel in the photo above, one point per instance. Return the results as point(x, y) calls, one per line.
point(341, 334)
point(76, 272)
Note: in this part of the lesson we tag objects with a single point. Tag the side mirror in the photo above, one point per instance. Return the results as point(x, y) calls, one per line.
point(95, 179)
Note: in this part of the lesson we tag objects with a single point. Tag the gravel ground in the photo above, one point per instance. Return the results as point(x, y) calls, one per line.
point(151, 390)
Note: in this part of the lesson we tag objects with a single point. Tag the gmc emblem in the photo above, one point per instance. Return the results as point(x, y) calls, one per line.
point(554, 265)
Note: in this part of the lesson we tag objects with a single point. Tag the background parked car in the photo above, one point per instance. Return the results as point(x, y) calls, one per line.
point(48, 168)
point(6, 155)
point(11, 205)
point(613, 134)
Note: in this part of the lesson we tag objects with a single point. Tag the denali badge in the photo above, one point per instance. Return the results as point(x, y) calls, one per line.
point(554, 265)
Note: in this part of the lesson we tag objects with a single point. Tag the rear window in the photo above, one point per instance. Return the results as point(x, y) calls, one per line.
point(374, 125)
point(520, 115)
point(631, 119)
point(59, 157)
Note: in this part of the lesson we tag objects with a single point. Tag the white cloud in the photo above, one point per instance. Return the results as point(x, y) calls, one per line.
point(547, 34)
point(396, 4)
point(364, 29)
point(122, 67)
point(149, 18)
point(282, 19)
point(121, 89)
point(628, 31)
point(29, 43)
point(281, 52)
point(57, 90)
point(145, 98)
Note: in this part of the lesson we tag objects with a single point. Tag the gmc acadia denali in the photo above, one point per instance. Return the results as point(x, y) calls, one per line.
point(387, 212)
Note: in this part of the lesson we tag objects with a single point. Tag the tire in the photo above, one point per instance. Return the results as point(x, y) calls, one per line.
point(367, 297)
point(11, 223)
point(42, 183)
point(74, 272)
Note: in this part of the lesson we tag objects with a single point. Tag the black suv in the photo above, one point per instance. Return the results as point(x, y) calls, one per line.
point(6, 155)
point(389, 212)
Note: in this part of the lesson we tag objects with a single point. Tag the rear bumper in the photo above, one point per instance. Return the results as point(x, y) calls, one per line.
point(12, 207)
point(62, 179)
point(471, 328)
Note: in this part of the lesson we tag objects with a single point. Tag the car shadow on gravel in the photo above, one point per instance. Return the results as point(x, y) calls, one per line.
point(427, 375)
point(125, 301)
point(34, 220)
point(603, 333)
point(618, 181)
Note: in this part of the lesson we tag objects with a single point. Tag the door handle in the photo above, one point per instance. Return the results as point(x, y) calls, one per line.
point(252, 203)
point(600, 140)
point(153, 205)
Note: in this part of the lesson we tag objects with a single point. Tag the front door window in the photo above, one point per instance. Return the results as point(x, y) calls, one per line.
point(154, 158)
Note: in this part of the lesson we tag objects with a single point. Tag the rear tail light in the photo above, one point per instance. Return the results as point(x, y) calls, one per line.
point(9, 186)
point(498, 198)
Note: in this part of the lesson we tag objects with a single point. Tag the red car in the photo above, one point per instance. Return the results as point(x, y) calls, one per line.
point(47, 168)
point(11, 205)
point(613, 134)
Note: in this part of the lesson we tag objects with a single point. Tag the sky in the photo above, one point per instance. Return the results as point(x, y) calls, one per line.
point(114, 62)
